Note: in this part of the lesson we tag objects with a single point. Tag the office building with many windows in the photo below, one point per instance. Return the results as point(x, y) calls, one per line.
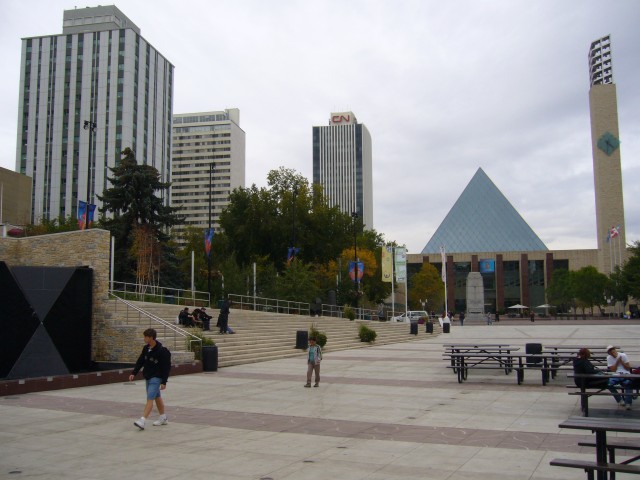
point(208, 162)
point(86, 95)
point(342, 164)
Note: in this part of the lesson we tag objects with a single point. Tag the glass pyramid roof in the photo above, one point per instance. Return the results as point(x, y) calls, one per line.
point(483, 220)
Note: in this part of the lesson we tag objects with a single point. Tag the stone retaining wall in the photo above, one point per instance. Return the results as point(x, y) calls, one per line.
point(76, 249)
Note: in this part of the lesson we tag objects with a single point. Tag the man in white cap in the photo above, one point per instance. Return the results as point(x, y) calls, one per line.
point(619, 362)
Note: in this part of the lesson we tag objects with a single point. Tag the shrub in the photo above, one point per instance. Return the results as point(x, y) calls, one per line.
point(321, 337)
point(195, 346)
point(349, 312)
point(366, 334)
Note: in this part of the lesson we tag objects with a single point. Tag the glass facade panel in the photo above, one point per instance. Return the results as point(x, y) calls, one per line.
point(461, 271)
point(511, 283)
point(536, 283)
point(483, 220)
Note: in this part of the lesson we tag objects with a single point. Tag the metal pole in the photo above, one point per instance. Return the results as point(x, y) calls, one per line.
point(209, 256)
point(295, 194)
point(354, 215)
point(113, 256)
point(193, 260)
point(393, 274)
point(91, 127)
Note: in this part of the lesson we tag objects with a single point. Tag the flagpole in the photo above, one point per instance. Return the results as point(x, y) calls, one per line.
point(610, 254)
point(443, 258)
point(393, 293)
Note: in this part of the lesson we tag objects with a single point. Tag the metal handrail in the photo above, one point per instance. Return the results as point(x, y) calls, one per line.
point(154, 320)
point(247, 302)
point(157, 294)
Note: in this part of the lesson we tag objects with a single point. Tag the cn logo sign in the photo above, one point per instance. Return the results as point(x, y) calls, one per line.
point(341, 119)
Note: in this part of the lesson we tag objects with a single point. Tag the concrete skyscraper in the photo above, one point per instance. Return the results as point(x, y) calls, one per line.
point(342, 164)
point(206, 146)
point(85, 96)
point(605, 145)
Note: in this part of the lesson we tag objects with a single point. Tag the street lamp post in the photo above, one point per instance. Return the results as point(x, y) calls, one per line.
point(354, 215)
point(293, 233)
point(91, 127)
point(211, 166)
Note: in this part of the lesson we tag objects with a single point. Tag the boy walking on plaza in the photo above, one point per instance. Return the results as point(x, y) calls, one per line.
point(155, 362)
point(314, 357)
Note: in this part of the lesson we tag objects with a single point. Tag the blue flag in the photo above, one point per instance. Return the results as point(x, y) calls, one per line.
point(291, 254)
point(82, 214)
point(208, 238)
point(85, 214)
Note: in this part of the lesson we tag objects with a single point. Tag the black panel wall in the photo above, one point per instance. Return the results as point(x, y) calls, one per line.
point(46, 329)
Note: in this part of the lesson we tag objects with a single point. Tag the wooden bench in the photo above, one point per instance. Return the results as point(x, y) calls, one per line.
point(585, 391)
point(618, 444)
point(591, 467)
point(461, 363)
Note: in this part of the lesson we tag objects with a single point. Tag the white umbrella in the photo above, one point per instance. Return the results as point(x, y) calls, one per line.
point(518, 306)
point(545, 305)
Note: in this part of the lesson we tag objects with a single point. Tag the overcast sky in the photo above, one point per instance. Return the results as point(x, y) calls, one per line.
point(444, 87)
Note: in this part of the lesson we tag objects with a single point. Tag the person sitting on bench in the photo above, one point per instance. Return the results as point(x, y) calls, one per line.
point(619, 362)
point(582, 364)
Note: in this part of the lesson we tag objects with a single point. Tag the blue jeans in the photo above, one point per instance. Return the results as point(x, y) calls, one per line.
point(623, 383)
point(153, 388)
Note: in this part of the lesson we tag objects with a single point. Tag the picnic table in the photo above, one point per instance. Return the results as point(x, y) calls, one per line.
point(586, 391)
point(601, 426)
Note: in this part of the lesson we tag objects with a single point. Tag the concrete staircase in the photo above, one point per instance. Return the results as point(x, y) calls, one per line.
point(262, 336)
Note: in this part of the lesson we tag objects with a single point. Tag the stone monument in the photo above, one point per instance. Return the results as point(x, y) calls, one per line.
point(475, 296)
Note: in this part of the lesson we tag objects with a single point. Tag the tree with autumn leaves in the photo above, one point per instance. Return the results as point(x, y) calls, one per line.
point(260, 224)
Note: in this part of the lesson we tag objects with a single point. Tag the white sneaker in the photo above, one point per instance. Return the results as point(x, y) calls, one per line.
point(161, 421)
point(139, 423)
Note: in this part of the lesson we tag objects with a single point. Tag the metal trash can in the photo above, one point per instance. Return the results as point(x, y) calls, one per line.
point(210, 358)
point(302, 339)
point(414, 329)
point(446, 327)
point(533, 348)
point(429, 327)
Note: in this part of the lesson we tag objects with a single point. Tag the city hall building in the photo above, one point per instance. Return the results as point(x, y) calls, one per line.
point(484, 233)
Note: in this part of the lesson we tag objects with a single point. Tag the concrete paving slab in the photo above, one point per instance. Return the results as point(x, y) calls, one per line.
point(386, 412)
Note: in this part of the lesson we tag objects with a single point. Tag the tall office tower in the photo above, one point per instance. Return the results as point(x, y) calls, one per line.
point(208, 158)
point(342, 164)
point(85, 96)
point(605, 146)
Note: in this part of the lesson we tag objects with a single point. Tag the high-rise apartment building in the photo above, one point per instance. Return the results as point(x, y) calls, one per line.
point(85, 96)
point(342, 164)
point(605, 146)
point(208, 159)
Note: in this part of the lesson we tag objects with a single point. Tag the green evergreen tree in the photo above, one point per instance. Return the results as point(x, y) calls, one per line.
point(135, 200)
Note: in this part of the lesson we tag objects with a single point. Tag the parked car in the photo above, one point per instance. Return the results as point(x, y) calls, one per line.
point(412, 316)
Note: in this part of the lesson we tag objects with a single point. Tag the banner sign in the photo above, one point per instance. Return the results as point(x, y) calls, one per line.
point(352, 270)
point(387, 263)
point(401, 264)
point(208, 239)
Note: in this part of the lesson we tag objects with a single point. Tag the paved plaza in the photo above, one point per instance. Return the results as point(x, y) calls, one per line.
point(381, 413)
